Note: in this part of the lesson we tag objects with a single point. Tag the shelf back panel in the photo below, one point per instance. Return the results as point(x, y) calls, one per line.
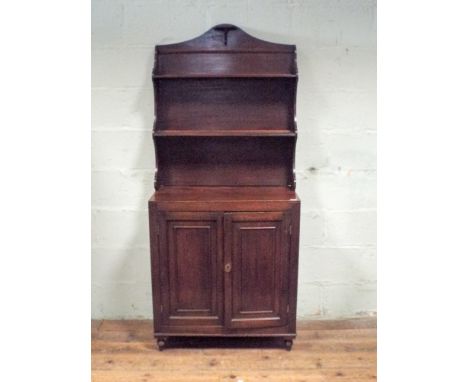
point(225, 64)
point(225, 104)
point(225, 161)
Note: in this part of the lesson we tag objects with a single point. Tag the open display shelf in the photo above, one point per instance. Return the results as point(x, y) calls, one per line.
point(233, 75)
point(224, 133)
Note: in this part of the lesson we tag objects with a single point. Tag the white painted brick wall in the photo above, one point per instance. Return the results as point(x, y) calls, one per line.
point(336, 150)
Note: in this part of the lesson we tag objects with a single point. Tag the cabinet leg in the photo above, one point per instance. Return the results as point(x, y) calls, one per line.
point(161, 342)
point(288, 344)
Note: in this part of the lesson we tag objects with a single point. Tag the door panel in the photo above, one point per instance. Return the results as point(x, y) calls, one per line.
point(191, 270)
point(257, 253)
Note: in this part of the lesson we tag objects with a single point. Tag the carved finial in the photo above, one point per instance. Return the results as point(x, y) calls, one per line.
point(225, 28)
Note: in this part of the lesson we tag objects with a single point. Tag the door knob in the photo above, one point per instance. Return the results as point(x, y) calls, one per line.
point(227, 268)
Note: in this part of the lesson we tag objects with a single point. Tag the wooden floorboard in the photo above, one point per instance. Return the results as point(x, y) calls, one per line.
point(344, 350)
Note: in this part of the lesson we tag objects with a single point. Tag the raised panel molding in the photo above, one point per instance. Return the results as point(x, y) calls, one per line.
point(259, 254)
point(256, 271)
point(191, 281)
point(191, 263)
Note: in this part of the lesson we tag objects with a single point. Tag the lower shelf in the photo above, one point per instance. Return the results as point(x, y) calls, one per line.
point(224, 133)
point(238, 335)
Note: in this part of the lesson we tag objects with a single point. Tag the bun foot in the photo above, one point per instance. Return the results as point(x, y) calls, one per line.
point(288, 344)
point(161, 343)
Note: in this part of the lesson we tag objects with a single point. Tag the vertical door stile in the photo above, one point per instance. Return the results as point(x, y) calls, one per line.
point(286, 260)
point(227, 235)
point(163, 264)
point(219, 266)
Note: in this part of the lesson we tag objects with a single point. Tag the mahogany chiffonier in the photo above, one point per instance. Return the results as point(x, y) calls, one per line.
point(224, 218)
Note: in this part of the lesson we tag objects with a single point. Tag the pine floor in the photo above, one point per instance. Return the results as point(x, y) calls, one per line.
point(341, 351)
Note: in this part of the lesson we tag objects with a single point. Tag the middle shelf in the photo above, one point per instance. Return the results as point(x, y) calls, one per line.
point(224, 133)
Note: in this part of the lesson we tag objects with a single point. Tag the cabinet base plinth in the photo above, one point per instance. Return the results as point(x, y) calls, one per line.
point(234, 341)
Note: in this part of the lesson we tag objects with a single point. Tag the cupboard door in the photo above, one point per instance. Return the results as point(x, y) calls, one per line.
point(191, 269)
point(256, 269)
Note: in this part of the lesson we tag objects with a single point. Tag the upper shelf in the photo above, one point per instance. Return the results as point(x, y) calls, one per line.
point(233, 75)
point(224, 133)
point(225, 51)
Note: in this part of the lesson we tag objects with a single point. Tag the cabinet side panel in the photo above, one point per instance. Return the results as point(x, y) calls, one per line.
point(293, 264)
point(154, 229)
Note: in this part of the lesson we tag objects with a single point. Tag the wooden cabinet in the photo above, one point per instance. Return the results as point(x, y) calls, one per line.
point(224, 219)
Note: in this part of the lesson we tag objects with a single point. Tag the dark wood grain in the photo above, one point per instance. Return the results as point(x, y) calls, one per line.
point(224, 220)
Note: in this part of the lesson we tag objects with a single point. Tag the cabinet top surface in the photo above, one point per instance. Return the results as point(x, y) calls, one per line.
point(220, 194)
